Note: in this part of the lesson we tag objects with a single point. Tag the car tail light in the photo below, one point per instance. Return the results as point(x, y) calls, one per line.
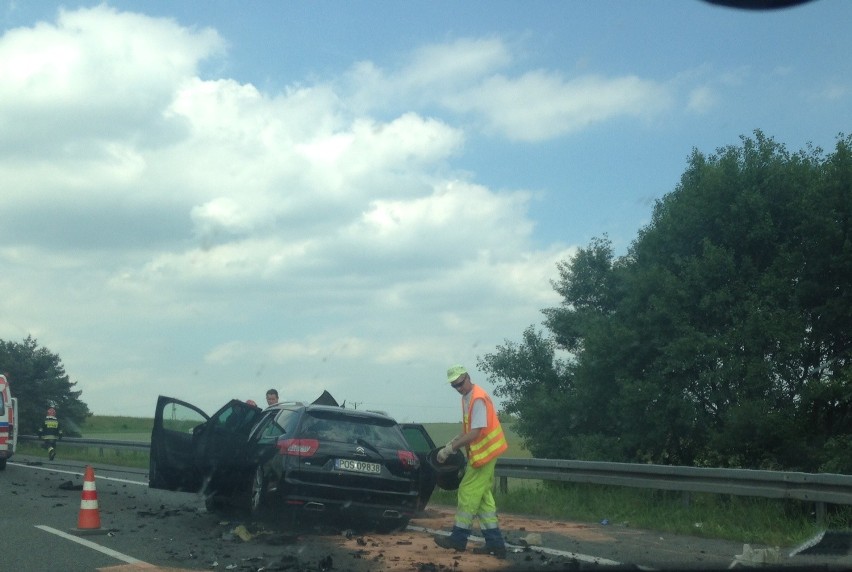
point(409, 460)
point(297, 447)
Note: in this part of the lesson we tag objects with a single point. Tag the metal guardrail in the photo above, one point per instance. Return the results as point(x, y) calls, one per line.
point(813, 487)
point(102, 443)
point(819, 488)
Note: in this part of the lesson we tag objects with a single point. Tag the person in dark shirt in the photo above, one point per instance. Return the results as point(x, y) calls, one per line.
point(50, 432)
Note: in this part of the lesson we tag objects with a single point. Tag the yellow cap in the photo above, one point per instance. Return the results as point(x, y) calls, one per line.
point(455, 372)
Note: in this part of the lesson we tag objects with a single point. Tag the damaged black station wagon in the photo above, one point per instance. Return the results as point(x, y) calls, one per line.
point(292, 460)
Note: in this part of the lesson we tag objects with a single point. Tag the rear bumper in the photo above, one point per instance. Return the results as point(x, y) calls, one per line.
point(342, 510)
point(366, 503)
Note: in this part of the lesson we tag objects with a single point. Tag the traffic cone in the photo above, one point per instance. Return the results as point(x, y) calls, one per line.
point(89, 520)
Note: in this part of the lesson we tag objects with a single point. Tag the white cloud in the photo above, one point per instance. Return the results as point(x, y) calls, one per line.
point(473, 78)
point(702, 99)
point(541, 105)
point(430, 71)
point(170, 228)
point(95, 75)
point(835, 91)
point(455, 63)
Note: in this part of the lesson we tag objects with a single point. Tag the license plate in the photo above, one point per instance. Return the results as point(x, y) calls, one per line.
point(357, 466)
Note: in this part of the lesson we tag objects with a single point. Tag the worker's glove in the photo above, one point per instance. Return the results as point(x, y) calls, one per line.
point(445, 453)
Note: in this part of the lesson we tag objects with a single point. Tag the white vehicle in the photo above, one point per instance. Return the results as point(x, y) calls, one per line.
point(8, 422)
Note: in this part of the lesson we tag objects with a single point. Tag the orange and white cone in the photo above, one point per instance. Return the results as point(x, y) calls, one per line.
point(89, 520)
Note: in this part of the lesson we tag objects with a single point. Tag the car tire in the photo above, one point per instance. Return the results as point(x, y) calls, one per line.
point(213, 503)
point(153, 474)
point(385, 527)
point(257, 494)
point(2, 464)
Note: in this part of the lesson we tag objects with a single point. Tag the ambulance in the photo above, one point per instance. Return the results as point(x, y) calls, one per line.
point(8, 422)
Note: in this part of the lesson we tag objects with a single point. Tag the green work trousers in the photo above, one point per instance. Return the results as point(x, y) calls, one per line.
point(476, 501)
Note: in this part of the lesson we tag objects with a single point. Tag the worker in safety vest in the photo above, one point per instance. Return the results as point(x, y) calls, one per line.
point(50, 432)
point(484, 442)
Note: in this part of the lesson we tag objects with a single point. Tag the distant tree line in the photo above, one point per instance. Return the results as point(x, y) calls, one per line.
point(723, 337)
point(38, 379)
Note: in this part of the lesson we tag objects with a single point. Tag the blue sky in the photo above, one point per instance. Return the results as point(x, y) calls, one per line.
point(204, 201)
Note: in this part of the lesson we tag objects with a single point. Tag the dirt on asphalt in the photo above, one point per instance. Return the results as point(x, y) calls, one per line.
point(416, 549)
point(534, 544)
point(222, 544)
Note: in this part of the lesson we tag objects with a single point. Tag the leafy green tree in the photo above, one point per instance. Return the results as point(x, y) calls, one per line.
point(532, 385)
point(38, 378)
point(722, 336)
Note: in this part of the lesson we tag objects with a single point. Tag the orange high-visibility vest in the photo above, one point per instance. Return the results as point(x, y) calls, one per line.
point(491, 442)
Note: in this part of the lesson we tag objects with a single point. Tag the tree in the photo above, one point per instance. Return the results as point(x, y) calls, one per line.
point(532, 382)
point(38, 378)
point(722, 336)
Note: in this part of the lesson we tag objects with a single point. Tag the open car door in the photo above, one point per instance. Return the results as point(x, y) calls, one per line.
point(172, 462)
point(190, 450)
point(421, 443)
point(221, 446)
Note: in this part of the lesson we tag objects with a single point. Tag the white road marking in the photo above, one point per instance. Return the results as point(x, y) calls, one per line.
point(102, 549)
point(543, 550)
point(97, 478)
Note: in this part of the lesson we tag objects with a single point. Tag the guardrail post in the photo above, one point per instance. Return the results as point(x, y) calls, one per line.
point(504, 484)
point(819, 511)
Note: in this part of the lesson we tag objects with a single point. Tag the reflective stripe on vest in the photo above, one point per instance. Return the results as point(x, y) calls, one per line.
point(491, 442)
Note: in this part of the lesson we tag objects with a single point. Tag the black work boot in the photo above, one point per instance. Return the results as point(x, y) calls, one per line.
point(498, 551)
point(449, 543)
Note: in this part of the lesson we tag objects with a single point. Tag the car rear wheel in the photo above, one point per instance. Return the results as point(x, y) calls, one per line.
point(395, 525)
point(213, 503)
point(153, 471)
point(257, 493)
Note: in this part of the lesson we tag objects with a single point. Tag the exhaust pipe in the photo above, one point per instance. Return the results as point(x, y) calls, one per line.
point(391, 514)
point(315, 506)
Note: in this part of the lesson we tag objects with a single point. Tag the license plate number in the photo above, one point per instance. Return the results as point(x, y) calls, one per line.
point(357, 466)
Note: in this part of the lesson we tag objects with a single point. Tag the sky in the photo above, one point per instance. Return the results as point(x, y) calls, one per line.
point(207, 199)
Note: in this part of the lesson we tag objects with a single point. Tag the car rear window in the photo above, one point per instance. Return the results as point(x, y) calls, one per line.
point(375, 431)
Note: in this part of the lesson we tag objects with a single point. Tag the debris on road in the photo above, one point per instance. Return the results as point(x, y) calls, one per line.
point(531, 539)
point(752, 556)
point(70, 486)
point(242, 533)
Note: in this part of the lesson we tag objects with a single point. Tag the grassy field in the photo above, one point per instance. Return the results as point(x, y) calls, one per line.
point(120, 428)
point(782, 523)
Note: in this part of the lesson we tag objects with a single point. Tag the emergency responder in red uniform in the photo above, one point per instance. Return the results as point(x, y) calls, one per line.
point(50, 432)
point(484, 441)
